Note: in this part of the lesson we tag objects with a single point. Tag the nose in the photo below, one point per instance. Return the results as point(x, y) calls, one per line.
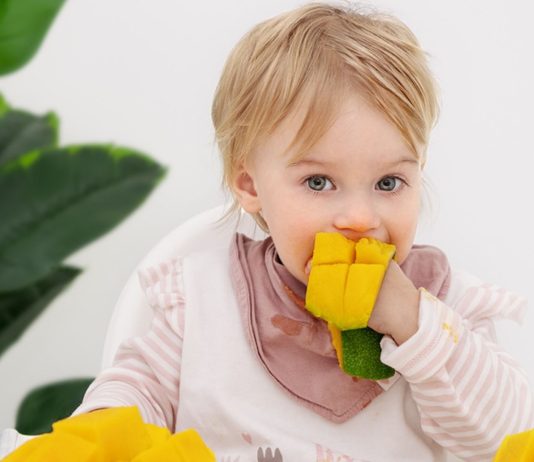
point(357, 217)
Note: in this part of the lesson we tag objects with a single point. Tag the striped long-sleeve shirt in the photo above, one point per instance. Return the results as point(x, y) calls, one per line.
point(468, 391)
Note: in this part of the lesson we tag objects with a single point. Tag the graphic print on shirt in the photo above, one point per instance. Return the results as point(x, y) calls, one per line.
point(269, 455)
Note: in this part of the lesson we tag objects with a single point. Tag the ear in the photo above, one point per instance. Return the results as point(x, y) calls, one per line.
point(245, 190)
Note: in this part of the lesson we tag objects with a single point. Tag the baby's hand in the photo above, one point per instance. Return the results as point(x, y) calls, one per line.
point(396, 310)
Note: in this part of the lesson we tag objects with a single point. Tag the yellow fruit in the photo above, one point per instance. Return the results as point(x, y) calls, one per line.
point(157, 434)
point(112, 435)
point(186, 446)
point(191, 448)
point(336, 341)
point(118, 433)
point(345, 279)
point(518, 447)
point(57, 448)
point(343, 286)
point(325, 293)
point(332, 248)
point(361, 290)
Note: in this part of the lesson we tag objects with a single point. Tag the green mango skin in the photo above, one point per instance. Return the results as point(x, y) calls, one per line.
point(361, 354)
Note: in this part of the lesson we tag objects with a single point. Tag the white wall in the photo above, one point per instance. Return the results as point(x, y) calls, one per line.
point(143, 73)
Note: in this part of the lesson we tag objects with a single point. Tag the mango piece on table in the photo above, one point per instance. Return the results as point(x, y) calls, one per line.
point(54, 447)
point(192, 447)
point(160, 452)
point(157, 434)
point(112, 435)
point(518, 447)
point(118, 433)
point(186, 446)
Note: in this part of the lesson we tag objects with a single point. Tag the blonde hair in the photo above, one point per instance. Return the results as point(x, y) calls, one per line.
point(310, 57)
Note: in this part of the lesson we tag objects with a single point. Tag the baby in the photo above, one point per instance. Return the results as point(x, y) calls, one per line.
point(322, 116)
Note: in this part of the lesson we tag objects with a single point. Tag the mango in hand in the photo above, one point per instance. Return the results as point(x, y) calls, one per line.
point(343, 286)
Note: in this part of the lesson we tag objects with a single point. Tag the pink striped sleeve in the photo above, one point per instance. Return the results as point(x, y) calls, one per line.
point(470, 392)
point(146, 369)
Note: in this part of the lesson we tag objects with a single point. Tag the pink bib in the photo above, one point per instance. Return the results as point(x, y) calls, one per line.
point(295, 347)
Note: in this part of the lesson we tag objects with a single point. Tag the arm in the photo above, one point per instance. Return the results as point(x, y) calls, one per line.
point(146, 369)
point(469, 392)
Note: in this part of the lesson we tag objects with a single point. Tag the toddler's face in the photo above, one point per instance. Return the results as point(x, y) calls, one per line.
point(360, 179)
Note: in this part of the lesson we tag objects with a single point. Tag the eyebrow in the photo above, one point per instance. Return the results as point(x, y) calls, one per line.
point(297, 163)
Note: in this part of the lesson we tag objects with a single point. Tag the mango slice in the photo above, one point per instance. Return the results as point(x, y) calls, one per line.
point(112, 435)
point(54, 447)
point(518, 447)
point(190, 446)
point(181, 447)
point(332, 248)
point(345, 278)
point(343, 286)
point(108, 431)
point(157, 434)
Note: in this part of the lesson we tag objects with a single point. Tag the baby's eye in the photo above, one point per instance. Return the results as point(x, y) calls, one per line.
point(389, 183)
point(318, 183)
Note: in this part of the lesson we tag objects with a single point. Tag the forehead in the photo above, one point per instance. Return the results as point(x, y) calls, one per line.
point(353, 127)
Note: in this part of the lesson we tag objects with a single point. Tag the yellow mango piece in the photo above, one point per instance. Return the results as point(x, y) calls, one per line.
point(160, 452)
point(332, 248)
point(361, 290)
point(56, 448)
point(518, 447)
point(191, 447)
point(325, 291)
point(344, 294)
point(186, 446)
point(335, 333)
point(346, 299)
point(118, 433)
point(23, 452)
point(112, 435)
point(157, 434)
point(369, 250)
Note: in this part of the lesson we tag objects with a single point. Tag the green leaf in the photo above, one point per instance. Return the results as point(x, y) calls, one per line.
point(49, 403)
point(23, 26)
point(22, 132)
point(4, 107)
point(20, 307)
point(54, 202)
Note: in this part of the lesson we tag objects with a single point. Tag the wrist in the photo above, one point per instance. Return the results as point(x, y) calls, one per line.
point(407, 321)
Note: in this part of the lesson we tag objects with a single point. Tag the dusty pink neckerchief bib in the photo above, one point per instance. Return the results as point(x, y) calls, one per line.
point(295, 347)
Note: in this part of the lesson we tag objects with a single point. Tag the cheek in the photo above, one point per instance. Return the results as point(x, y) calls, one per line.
point(402, 231)
point(293, 235)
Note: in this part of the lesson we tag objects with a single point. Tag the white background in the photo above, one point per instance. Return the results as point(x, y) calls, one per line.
point(143, 74)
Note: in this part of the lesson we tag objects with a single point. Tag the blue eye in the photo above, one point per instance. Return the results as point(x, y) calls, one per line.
point(389, 183)
point(317, 182)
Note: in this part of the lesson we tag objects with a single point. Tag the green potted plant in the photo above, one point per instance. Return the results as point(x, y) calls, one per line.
point(53, 200)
